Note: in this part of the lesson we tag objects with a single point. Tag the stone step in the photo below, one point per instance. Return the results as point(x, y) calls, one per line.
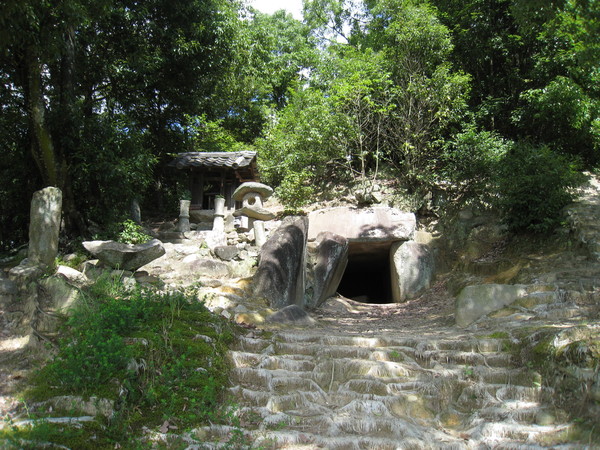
point(491, 432)
point(467, 344)
point(516, 411)
point(270, 362)
point(251, 344)
point(479, 396)
point(308, 390)
point(430, 358)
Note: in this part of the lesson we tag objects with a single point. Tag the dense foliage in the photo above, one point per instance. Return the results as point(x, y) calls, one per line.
point(96, 95)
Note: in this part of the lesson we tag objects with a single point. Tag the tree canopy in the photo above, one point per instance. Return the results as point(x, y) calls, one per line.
point(96, 95)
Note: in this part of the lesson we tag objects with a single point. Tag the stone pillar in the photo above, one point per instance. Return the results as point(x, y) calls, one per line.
point(44, 226)
point(219, 220)
point(260, 236)
point(136, 212)
point(184, 216)
point(244, 226)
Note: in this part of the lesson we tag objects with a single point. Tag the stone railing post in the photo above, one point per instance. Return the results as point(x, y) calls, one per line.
point(219, 220)
point(260, 236)
point(184, 216)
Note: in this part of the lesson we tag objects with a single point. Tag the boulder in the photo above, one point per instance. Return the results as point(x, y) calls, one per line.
point(25, 273)
point(330, 260)
point(227, 252)
point(412, 268)
point(280, 275)
point(60, 294)
point(291, 315)
point(72, 276)
point(44, 226)
point(377, 224)
point(474, 302)
point(125, 256)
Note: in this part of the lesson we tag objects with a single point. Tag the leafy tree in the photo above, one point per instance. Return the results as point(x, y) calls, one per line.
point(272, 55)
point(489, 46)
point(306, 142)
point(561, 107)
point(429, 97)
point(361, 89)
point(101, 88)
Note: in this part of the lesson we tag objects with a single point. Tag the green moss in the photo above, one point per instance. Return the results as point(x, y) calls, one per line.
point(89, 435)
point(498, 335)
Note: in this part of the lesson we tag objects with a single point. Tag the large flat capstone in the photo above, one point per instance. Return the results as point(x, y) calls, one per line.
point(376, 224)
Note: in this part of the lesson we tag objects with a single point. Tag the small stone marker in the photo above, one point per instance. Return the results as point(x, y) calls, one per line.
point(44, 226)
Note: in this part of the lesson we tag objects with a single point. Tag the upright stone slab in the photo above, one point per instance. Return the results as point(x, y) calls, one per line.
point(412, 270)
point(330, 261)
point(280, 274)
point(44, 226)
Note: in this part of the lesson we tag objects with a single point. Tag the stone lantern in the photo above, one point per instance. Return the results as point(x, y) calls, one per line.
point(252, 195)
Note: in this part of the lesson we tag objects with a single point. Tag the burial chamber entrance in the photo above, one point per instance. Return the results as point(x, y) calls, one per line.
point(371, 233)
point(367, 277)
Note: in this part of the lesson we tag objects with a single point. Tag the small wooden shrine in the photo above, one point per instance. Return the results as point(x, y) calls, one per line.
point(215, 174)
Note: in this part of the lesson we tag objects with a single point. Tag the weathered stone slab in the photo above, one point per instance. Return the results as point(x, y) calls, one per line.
point(330, 261)
point(44, 226)
point(125, 256)
point(197, 266)
point(367, 224)
point(476, 301)
point(280, 274)
point(412, 268)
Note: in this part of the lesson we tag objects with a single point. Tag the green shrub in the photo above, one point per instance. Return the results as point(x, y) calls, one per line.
point(161, 356)
point(471, 160)
point(534, 184)
point(132, 233)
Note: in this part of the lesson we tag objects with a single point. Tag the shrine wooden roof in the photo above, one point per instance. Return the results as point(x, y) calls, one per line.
point(243, 163)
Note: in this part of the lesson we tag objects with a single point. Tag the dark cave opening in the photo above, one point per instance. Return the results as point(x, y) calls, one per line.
point(367, 277)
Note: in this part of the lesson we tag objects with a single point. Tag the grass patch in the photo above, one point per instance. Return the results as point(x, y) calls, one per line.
point(159, 357)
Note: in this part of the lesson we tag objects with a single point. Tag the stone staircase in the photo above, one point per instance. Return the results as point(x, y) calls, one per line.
point(306, 389)
point(583, 216)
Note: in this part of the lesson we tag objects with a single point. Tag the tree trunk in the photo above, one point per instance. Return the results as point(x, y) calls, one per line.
point(42, 147)
point(50, 163)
